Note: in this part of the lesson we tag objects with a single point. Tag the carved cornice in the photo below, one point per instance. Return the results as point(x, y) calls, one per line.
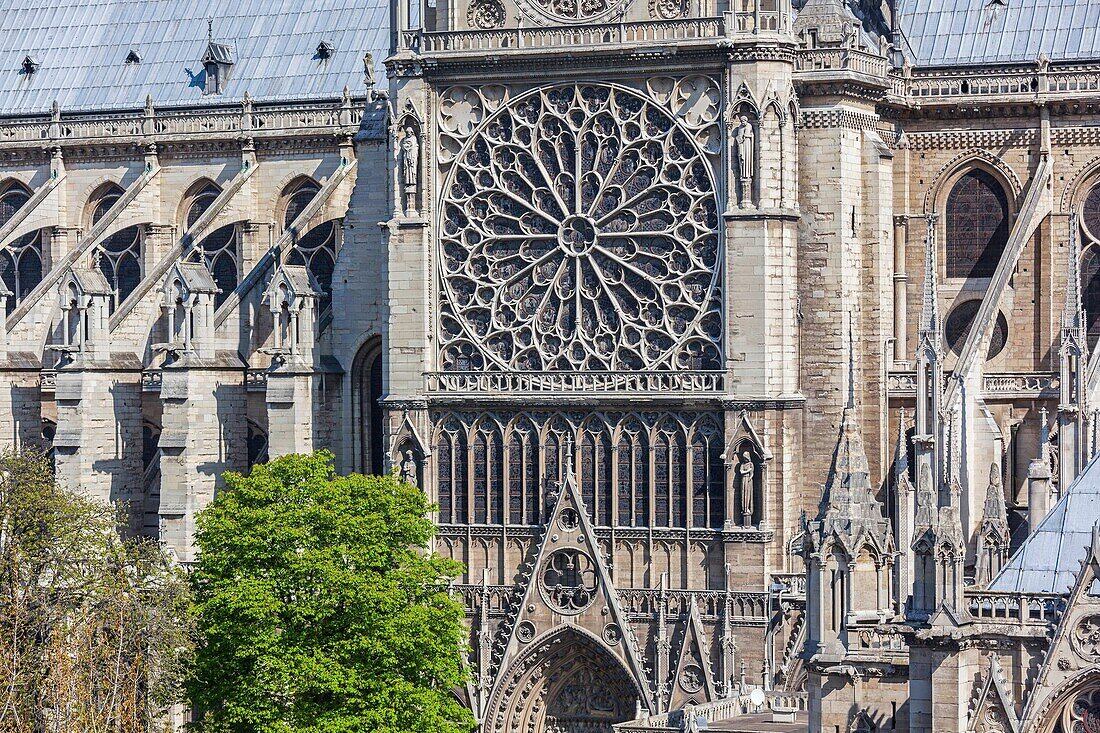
point(967, 139)
point(839, 117)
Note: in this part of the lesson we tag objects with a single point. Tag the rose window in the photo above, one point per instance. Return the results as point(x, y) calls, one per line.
point(1083, 714)
point(579, 232)
point(569, 581)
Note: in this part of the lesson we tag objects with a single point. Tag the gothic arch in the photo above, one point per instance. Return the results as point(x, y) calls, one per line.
point(963, 163)
point(566, 680)
point(21, 260)
point(293, 192)
point(195, 200)
point(366, 390)
point(108, 187)
point(1049, 715)
point(972, 244)
point(1079, 185)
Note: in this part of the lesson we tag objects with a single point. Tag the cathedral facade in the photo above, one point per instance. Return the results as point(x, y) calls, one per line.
point(747, 348)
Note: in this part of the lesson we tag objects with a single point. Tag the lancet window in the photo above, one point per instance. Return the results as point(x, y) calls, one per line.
point(1090, 263)
point(20, 261)
point(118, 255)
point(977, 225)
point(631, 471)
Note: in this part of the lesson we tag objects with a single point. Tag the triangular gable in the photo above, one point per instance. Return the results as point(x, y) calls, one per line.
point(994, 708)
point(743, 429)
point(1072, 656)
point(692, 682)
point(568, 547)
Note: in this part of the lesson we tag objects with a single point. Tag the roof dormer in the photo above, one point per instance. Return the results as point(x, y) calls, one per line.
point(217, 61)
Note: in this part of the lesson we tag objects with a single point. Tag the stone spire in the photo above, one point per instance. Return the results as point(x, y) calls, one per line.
point(901, 457)
point(1073, 313)
point(929, 327)
point(993, 535)
point(849, 496)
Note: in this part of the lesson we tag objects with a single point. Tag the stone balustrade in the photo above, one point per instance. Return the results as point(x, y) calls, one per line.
point(663, 382)
point(157, 125)
point(1023, 609)
point(1026, 385)
point(663, 31)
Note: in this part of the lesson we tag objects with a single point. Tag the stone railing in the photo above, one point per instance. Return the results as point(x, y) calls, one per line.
point(659, 31)
point(1028, 385)
point(155, 125)
point(684, 382)
point(1035, 384)
point(725, 709)
point(744, 606)
point(872, 640)
point(842, 59)
point(1024, 609)
point(794, 582)
point(1031, 81)
point(472, 596)
point(755, 21)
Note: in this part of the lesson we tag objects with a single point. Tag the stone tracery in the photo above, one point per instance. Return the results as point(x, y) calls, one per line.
point(579, 233)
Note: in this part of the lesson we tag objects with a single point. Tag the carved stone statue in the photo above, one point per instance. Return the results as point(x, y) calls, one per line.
point(746, 159)
point(409, 468)
point(747, 471)
point(368, 70)
point(410, 169)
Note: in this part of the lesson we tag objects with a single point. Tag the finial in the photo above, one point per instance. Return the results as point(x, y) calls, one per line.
point(210, 29)
point(930, 312)
point(1072, 318)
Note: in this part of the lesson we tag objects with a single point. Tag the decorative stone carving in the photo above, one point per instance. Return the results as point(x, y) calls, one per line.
point(578, 232)
point(612, 634)
point(410, 169)
point(568, 581)
point(410, 468)
point(667, 9)
point(1086, 638)
point(485, 14)
point(746, 160)
point(525, 632)
point(571, 11)
point(691, 679)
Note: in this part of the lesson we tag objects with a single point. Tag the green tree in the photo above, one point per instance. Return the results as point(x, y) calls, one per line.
point(94, 627)
point(321, 609)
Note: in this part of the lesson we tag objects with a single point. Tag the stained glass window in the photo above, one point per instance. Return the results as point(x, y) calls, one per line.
point(977, 226)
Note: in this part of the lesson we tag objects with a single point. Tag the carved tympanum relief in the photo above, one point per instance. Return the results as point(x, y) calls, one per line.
point(579, 229)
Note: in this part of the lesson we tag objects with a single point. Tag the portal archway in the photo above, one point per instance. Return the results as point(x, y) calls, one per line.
point(567, 682)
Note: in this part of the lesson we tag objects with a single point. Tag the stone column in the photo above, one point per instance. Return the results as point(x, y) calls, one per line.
point(901, 283)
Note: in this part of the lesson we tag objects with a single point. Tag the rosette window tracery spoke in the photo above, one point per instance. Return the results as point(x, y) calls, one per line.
point(579, 232)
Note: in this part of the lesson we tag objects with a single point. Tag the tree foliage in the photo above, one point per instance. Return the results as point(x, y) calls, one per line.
point(321, 609)
point(94, 632)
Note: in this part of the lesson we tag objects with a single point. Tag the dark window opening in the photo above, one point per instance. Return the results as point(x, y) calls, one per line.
point(977, 226)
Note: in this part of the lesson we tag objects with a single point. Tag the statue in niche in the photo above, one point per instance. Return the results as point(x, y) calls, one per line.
point(410, 167)
point(746, 470)
point(746, 157)
point(409, 468)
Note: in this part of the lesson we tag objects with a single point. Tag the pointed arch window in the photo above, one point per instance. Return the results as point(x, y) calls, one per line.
point(451, 475)
point(670, 480)
point(20, 261)
point(596, 473)
point(523, 493)
point(1090, 264)
point(633, 477)
point(707, 478)
point(488, 482)
point(977, 225)
point(118, 255)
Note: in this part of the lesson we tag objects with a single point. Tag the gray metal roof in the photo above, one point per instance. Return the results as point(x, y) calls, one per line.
point(82, 45)
point(1050, 558)
point(965, 32)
